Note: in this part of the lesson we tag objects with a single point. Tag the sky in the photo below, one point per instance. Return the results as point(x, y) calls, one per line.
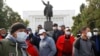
point(32, 5)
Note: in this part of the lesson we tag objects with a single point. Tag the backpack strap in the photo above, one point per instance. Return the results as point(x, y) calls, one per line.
point(77, 44)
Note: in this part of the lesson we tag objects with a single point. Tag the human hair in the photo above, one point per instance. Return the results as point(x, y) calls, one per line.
point(55, 24)
point(40, 27)
point(84, 28)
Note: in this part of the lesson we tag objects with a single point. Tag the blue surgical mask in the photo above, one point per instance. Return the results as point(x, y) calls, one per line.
point(21, 36)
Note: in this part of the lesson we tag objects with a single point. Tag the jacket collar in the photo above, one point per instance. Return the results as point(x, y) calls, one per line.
point(12, 40)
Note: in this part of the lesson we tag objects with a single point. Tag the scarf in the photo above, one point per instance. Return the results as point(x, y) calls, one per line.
point(21, 45)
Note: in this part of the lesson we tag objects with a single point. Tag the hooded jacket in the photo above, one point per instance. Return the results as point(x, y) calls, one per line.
point(64, 46)
point(8, 48)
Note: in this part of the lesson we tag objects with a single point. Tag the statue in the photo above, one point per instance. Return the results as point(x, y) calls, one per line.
point(48, 10)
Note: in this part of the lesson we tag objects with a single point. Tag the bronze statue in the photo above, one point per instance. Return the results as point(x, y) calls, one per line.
point(48, 10)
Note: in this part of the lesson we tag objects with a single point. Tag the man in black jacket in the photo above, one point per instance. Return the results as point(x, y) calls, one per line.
point(56, 32)
point(33, 38)
point(96, 39)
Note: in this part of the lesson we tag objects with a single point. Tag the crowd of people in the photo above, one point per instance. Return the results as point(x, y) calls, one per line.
point(21, 41)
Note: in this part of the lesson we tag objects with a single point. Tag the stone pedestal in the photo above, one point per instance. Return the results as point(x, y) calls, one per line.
point(48, 25)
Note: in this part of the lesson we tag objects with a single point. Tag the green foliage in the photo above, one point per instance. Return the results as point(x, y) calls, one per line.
point(89, 16)
point(26, 22)
point(8, 16)
point(82, 7)
point(1, 4)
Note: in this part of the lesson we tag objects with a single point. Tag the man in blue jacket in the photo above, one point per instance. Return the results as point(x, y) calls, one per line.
point(47, 45)
point(96, 39)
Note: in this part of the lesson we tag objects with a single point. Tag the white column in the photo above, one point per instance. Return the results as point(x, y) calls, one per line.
point(33, 21)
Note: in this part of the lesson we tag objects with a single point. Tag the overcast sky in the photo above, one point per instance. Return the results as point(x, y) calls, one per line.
point(31, 5)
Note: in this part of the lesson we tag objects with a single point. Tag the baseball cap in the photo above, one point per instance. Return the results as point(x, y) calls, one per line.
point(67, 29)
point(95, 29)
point(41, 31)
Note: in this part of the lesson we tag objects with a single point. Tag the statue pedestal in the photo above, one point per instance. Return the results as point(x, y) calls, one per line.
point(48, 25)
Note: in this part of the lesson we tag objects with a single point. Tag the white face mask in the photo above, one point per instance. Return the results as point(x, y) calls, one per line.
point(21, 36)
point(3, 34)
point(41, 37)
point(67, 33)
point(89, 35)
point(59, 28)
point(95, 33)
point(54, 28)
point(29, 32)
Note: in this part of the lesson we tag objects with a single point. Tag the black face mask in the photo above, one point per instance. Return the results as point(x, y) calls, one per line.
point(67, 37)
point(78, 35)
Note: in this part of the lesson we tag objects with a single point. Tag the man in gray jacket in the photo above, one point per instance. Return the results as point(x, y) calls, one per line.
point(84, 46)
point(47, 45)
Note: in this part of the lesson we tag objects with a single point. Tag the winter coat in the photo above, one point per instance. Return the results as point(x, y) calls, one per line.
point(83, 47)
point(1, 37)
point(32, 50)
point(47, 47)
point(56, 34)
point(64, 46)
point(8, 48)
point(97, 53)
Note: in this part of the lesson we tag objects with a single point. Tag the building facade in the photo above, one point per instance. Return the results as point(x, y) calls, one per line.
point(61, 17)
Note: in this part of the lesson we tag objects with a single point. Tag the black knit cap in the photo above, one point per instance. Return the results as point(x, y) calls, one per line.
point(17, 26)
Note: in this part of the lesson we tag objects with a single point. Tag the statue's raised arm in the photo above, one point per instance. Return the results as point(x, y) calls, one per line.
point(48, 10)
point(44, 2)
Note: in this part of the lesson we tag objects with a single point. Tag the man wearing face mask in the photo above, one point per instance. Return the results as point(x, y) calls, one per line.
point(83, 46)
point(36, 39)
point(96, 39)
point(47, 46)
point(62, 29)
point(65, 43)
point(15, 44)
point(3, 33)
point(56, 32)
